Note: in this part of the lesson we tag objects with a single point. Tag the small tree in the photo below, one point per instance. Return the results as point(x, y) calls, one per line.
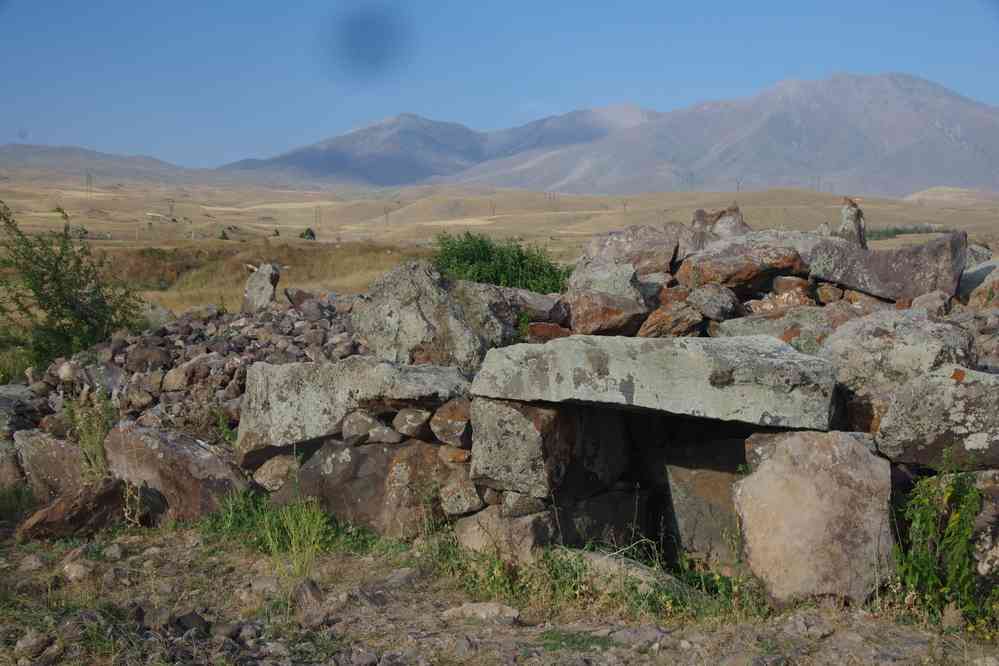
point(56, 296)
point(308, 234)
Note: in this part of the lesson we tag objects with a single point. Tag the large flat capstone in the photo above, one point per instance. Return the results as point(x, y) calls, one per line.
point(752, 379)
point(285, 404)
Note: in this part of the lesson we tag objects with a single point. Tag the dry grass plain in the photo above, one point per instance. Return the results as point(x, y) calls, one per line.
point(166, 239)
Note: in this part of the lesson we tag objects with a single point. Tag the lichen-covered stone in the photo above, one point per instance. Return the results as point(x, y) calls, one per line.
point(876, 354)
point(260, 288)
point(902, 273)
point(946, 417)
point(805, 328)
point(285, 404)
point(754, 379)
point(745, 268)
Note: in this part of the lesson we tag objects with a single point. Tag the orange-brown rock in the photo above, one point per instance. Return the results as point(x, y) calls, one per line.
point(786, 283)
point(675, 320)
point(598, 313)
point(539, 332)
point(775, 302)
point(828, 293)
point(745, 269)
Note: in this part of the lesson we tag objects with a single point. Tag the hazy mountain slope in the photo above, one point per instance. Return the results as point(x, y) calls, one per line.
point(889, 134)
point(77, 162)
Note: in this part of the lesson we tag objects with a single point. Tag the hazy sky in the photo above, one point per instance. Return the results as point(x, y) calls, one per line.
point(208, 82)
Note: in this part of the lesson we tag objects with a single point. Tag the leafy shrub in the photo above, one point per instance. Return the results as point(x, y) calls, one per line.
point(936, 563)
point(56, 296)
point(478, 258)
point(308, 234)
point(15, 502)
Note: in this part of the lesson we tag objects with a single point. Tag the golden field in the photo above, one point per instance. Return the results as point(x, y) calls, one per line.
point(165, 240)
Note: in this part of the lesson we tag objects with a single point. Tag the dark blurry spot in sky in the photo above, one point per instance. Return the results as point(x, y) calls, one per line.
point(368, 41)
point(23, 134)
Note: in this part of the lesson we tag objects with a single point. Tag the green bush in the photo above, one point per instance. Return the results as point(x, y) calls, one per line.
point(936, 563)
point(91, 420)
point(56, 296)
point(903, 230)
point(478, 258)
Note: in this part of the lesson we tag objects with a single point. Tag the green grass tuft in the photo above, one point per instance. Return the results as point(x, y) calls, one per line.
point(478, 258)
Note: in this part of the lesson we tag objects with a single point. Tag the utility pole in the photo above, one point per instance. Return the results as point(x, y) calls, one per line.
point(90, 184)
point(170, 205)
point(738, 184)
point(492, 207)
point(317, 218)
point(386, 215)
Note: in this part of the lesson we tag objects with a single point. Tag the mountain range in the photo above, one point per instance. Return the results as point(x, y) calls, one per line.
point(888, 134)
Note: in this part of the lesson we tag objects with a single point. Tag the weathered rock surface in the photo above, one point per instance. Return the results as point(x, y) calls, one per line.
point(876, 354)
point(599, 313)
point(546, 452)
point(648, 249)
point(852, 227)
point(815, 518)
point(805, 328)
point(413, 315)
point(715, 302)
point(260, 288)
point(52, 467)
point(191, 476)
point(754, 379)
point(936, 303)
point(675, 319)
point(450, 423)
point(295, 402)
point(386, 488)
point(949, 415)
point(902, 273)
point(89, 510)
point(743, 267)
point(975, 275)
point(516, 539)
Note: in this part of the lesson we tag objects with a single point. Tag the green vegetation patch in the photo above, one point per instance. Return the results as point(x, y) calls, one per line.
point(478, 258)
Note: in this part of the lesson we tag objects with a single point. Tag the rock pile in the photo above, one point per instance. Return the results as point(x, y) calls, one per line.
point(741, 396)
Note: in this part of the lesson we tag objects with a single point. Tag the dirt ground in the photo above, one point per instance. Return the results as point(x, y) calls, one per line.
point(176, 596)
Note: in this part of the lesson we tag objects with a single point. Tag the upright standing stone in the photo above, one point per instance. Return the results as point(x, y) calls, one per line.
point(815, 517)
point(852, 226)
point(260, 288)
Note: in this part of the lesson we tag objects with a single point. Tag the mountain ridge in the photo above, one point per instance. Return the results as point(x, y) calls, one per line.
point(888, 134)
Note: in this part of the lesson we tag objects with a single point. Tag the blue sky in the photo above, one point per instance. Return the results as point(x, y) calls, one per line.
point(204, 83)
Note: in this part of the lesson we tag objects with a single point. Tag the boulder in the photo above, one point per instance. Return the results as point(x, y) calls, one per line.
point(194, 478)
point(775, 302)
point(828, 293)
point(754, 379)
point(898, 274)
point(599, 313)
point(648, 249)
point(935, 303)
point(277, 471)
point(724, 223)
point(89, 510)
point(805, 328)
point(715, 302)
point(815, 518)
point(516, 539)
point(743, 267)
point(287, 404)
point(413, 315)
point(805, 243)
point(413, 423)
point(52, 467)
point(450, 423)
point(978, 254)
point(260, 288)
point(876, 354)
point(390, 489)
point(460, 497)
point(676, 319)
point(943, 418)
point(536, 307)
point(619, 280)
point(546, 452)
